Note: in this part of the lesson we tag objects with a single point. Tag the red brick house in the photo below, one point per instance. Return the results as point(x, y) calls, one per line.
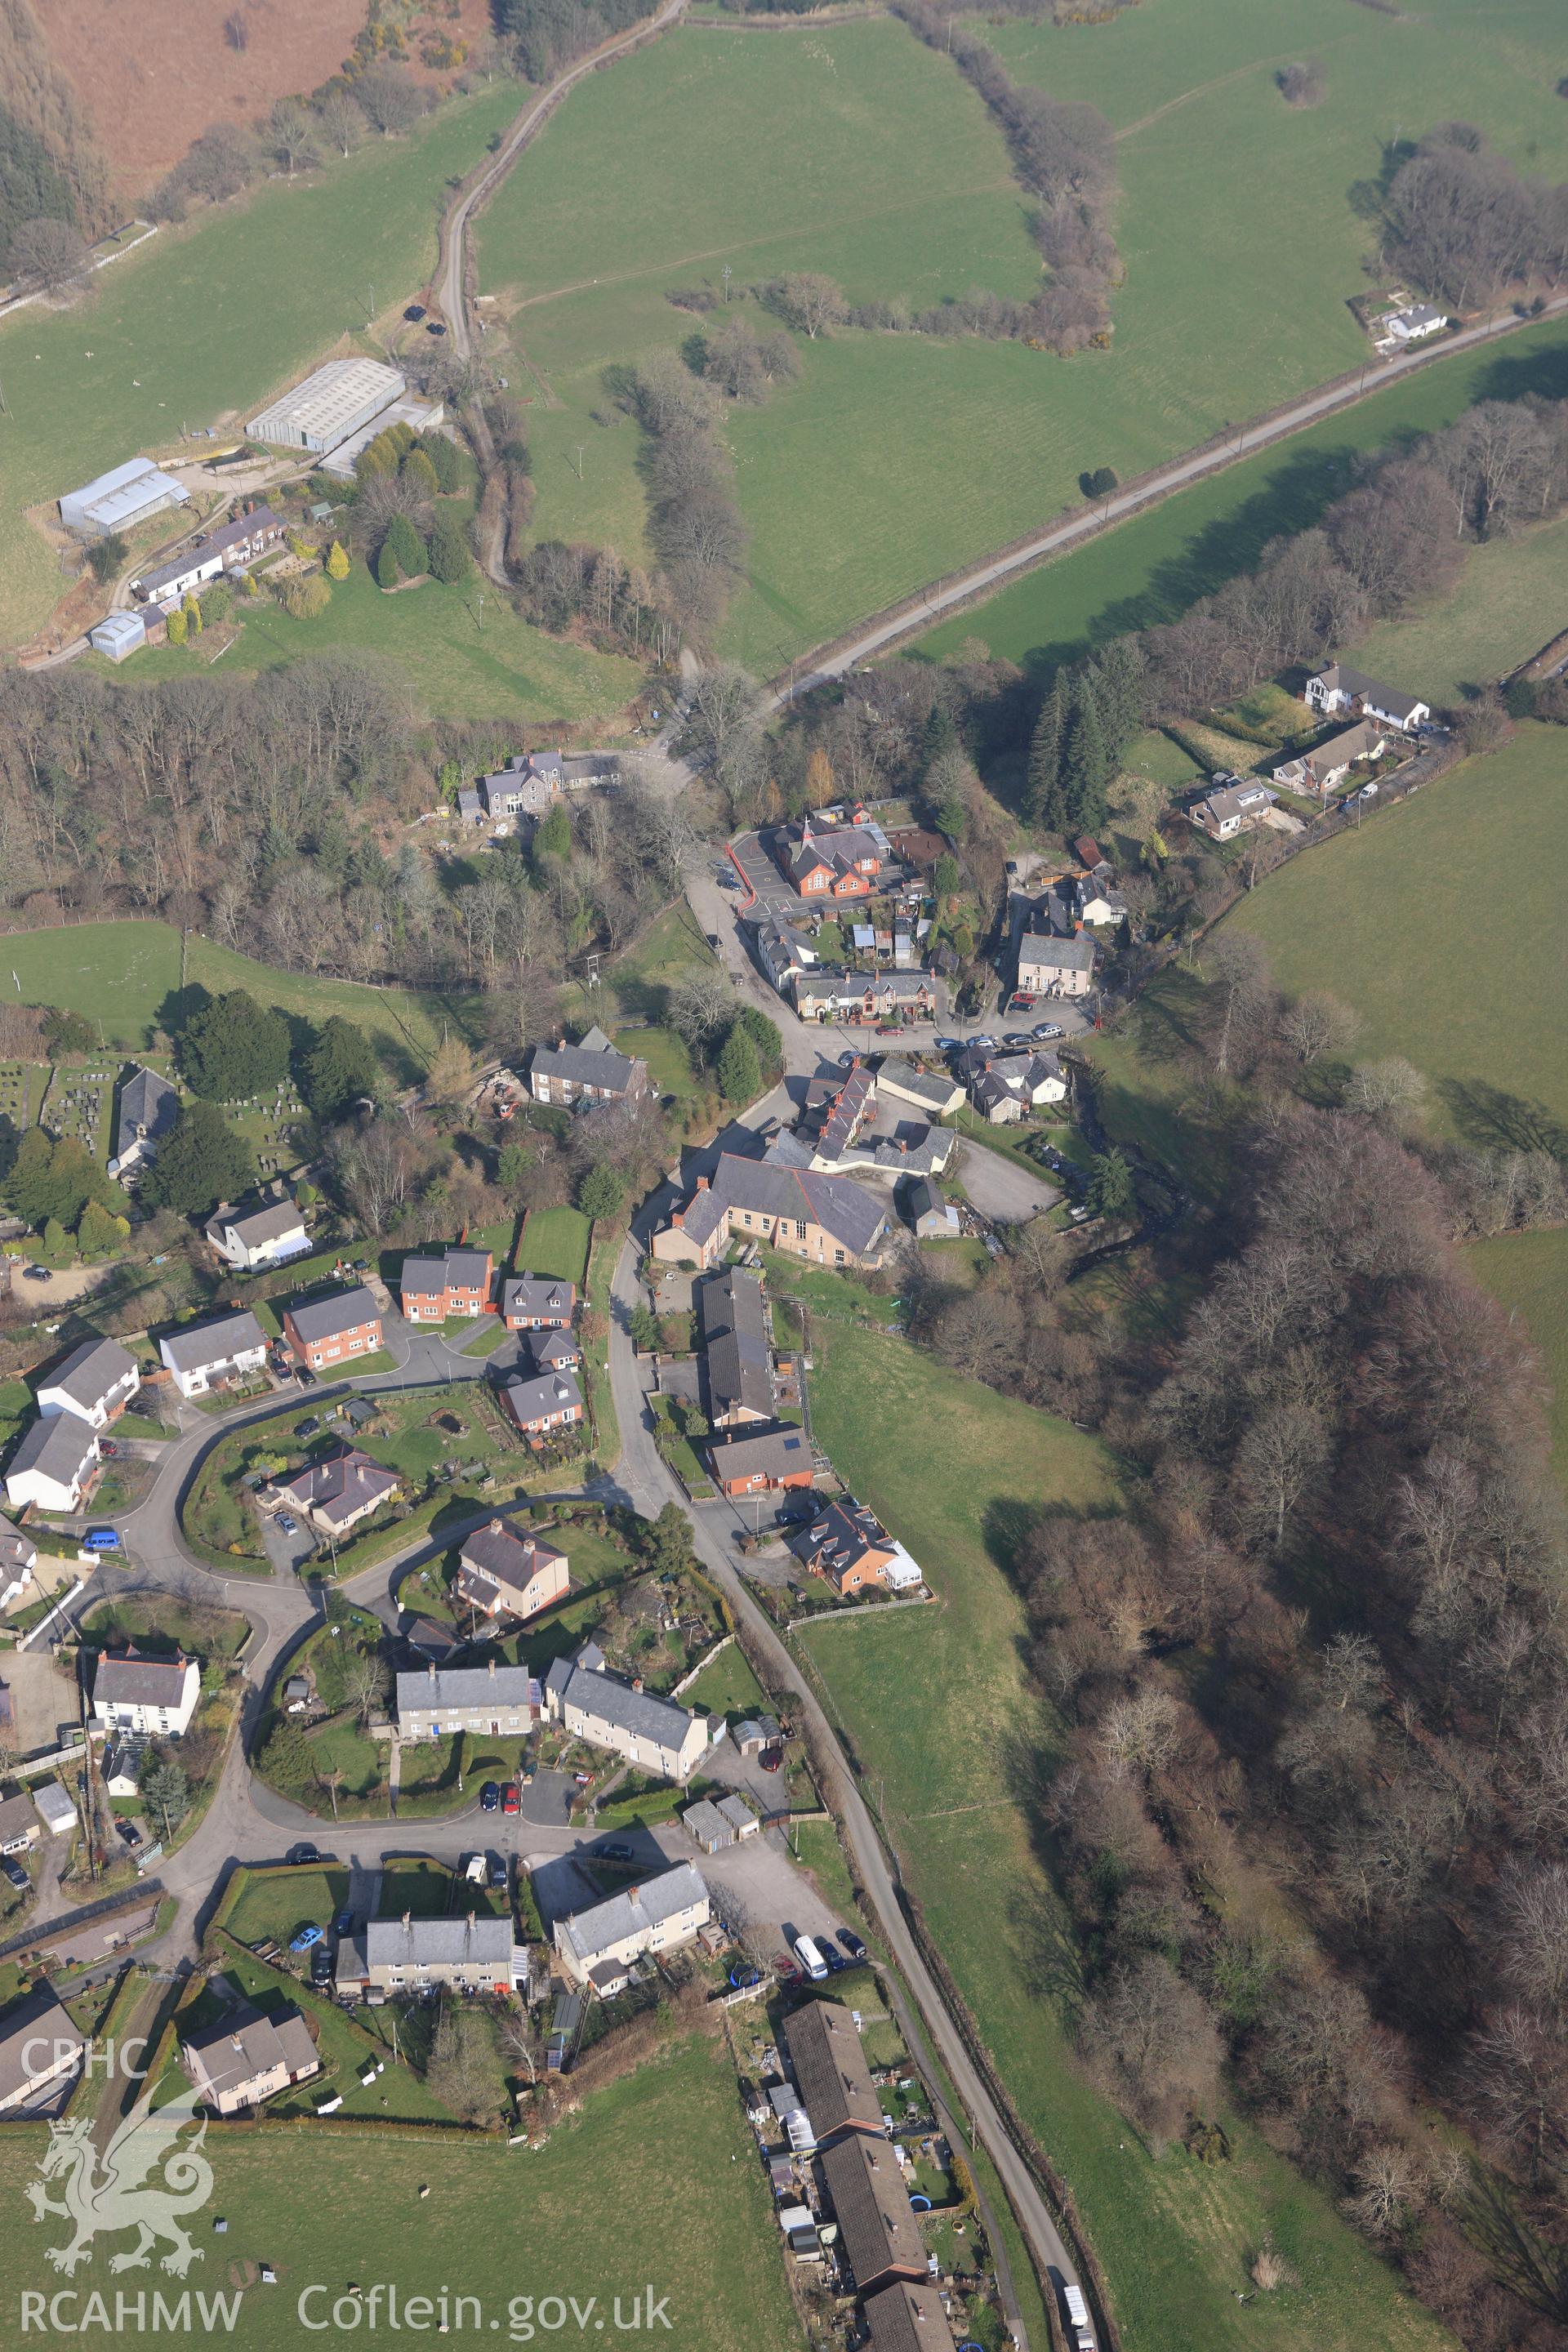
point(539, 1406)
point(457, 1283)
point(538, 1302)
point(327, 1331)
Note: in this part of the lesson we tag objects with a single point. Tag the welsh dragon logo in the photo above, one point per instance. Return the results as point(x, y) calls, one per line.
point(111, 2192)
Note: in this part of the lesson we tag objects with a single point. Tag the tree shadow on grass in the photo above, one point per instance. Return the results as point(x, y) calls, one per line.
point(1494, 1121)
point(1530, 2268)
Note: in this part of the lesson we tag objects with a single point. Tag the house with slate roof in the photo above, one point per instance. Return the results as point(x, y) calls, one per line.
point(737, 1357)
point(505, 1574)
point(494, 1700)
point(327, 1331)
point(589, 1072)
point(227, 1348)
point(335, 1494)
point(268, 1235)
point(537, 1302)
point(95, 1381)
point(829, 1219)
point(248, 2058)
point(598, 1946)
point(147, 1109)
point(151, 1696)
point(54, 1465)
point(596, 1705)
point(457, 1283)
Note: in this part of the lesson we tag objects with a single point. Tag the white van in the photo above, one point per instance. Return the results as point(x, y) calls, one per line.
point(810, 1958)
point(474, 1870)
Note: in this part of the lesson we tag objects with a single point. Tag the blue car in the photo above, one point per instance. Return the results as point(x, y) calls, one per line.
point(304, 1939)
point(489, 1797)
point(343, 1925)
point(102, 1540)
point(852, 1943)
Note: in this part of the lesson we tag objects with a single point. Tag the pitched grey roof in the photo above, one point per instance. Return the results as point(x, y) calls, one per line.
point(846, 1211)
point(555, 1350)
point(1353, 682)
point(90, 1371)
point(734, 1335)
point(509, 1557)
point(40, 2023)
point(877, 2229)
point(1066, 955)
point(907, 2317)
point(548, 1393)
point(424, 1943)
point(464, 1690)
point(259, 1225)
point(772, 1452)
point(921, 1086)
point(245, 2044)
point(128, 1679)
point(217, 1342)
point(640, 1713)
point(214, 542)
point(60, 1446)
point(323, 1319)
point(149, 1106)
point(583, 1066)
point(340, 1487)
point(454, 1269)
point(538, 1294)
point(923, 1199)
point(18, 1550)
point(830, 2069)
point(632, 1912)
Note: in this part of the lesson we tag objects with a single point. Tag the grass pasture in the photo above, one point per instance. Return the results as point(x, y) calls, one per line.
point(1508, 605)
point(850, 149)
point(357, 2213)
point(1529, 1273)
point(939, 1720)
point(125, 976)
point(1383, 917)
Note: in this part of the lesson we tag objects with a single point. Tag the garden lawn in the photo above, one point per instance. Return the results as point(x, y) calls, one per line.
point(125, 976)
point(358, 2214)
point(1528, 1272)
point(852, 150)
point(1152, 567)
point(1378, 918)
point(161, 1627)
point(199, 326)
point(555, 1242)
point(460, 660)
point(943, 1729)
point(258, 1904)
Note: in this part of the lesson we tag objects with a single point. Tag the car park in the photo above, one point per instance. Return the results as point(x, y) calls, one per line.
point(304, 1939)
point(511, 1800)
point(489, 1797)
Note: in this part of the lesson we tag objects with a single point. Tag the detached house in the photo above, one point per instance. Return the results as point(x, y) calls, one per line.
point(327, 1331)
point(591, 1071)
point(831, 861)
point(848, 1545)
point(550, 1400)
point(154, 1696)
point(1232, 805)
point(248, 2058)
point(19, 1559)
point(457, 1283)
point(54, 1465)
point(268, 1235)
point(504, 1574)
point(95, 1381)
point(334, 1495)
point(1339, 691)
point(830, 1220)
point(594, 1704)
point(783, 951)
point(1319, 772)
point(230, 1346)
point(757, 1464)
point(537, 1302)
point(147, 1109)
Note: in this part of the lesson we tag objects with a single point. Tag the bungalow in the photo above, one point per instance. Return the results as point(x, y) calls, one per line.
point(473, 1954)
point(848, 1545)
point(589, 1072)
point(598, 1946)
point(1230, 806)
point(1340, 692)
point(827, 861)
point(54, 1465)
point(829, 1219)
point(932, 1092)
point(229, 1346)
point(552, 1401)
point(1052, 966)
point(598, 1706)
point(537, 1302)
point(907, 2318)
point(227, 548)
point(248, 2058)
point(505, 1574)
point(457, 1283)
point(877, 2233)
point(40, 2045)
point(494, 1700)
point(324, 1331)
point(149, 1695)
point(95, 1381)
point(1319, 772)
point(257, 1237)
point(761, 1461)
point(831, 2073)
point(737, 1357)
point(334, 1495)
point(147, 1109)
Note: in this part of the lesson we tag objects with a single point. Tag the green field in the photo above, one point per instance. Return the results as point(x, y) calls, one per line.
point(462, 661)
point(1386, 919)
point(1154, 567)
point(497, 2223)
point(849, 149)
point(555, 1240)
point(1509, 604)
point(200, 325)
point(1528, 1272)
point(940, 1723)
point(126, 976)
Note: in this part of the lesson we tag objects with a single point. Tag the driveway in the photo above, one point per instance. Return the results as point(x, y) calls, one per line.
point(1000, 1189)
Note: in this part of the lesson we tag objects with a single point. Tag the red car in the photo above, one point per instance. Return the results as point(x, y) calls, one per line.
point(771, 1759)
point(510, 1799)
point(785, 1970)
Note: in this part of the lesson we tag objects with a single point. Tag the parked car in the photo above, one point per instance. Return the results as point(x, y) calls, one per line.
point(771, 1759)
point(37, 1274)
point(321, 1966)
point(305, 1376)
point(287, 1526)
point(1017, 1037)
point(583, 1779)
point(128, 1832)
point(1047, 1029)
point(343, 1925)
point(498, 1875)
point(852, 1943)
point(511, 1800)
point(304, 1939)
point(298, 1853)
point(101, 1539)
point(15, 1873)
point(787, 1971)
point(810, 1958)
point(108, 1448)
point(474, 1869)
point(613, 1850)
point(489, 1797)
point(308, 1426)
point(948, 1044)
